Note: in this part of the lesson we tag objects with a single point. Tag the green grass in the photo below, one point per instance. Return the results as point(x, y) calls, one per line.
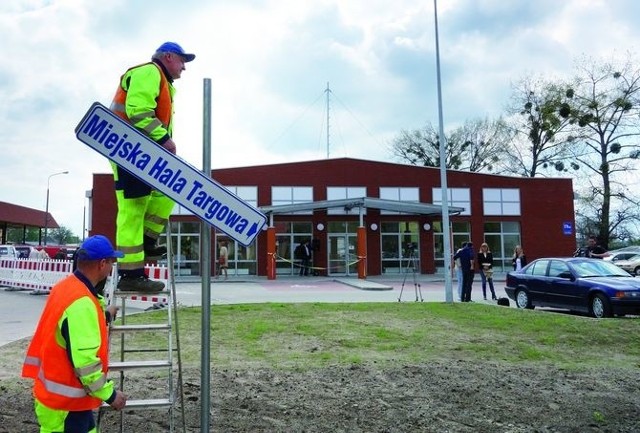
point(304, 336)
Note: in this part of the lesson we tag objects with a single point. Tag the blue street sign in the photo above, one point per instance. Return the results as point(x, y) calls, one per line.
point(117, 140)
point(567, 228)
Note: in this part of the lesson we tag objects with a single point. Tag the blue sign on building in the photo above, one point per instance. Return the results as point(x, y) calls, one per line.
point(567, 228)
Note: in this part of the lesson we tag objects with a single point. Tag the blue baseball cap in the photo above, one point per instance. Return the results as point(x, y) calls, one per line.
point(97, 247)
point(172, 47)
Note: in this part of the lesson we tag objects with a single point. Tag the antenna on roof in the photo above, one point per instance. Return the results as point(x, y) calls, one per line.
point(328, 92)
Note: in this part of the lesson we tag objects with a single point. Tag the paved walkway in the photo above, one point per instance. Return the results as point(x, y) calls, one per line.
point(20, 311)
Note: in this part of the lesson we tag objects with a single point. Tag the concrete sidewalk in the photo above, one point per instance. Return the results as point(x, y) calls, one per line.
point(20, 311)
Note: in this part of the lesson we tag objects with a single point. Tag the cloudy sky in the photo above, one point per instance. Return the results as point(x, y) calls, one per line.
point(269, 62)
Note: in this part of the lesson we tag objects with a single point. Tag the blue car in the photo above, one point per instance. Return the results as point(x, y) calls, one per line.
point(592, 286)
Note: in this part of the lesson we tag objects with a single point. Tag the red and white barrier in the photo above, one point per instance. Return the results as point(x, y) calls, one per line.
point(33, 274)
point(40, 275)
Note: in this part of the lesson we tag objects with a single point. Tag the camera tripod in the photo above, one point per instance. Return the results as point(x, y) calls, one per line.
point(412, 262)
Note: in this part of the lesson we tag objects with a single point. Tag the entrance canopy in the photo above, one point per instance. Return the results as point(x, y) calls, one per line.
point(416, 208)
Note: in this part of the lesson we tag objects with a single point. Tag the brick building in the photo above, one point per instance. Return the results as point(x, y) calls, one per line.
point(503, 211)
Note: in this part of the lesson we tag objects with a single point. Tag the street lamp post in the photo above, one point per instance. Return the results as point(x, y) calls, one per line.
point(46, 211)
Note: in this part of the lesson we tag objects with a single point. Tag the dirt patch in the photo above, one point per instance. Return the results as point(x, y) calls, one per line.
point(446, 396)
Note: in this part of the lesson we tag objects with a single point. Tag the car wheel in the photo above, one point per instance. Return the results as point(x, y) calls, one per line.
point(636, 271)
point(600, 306)
point(522, 299)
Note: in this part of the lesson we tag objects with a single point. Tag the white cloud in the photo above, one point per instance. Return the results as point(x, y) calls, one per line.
point(269, 62)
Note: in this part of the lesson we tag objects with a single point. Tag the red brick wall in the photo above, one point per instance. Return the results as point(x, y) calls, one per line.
point(545, 202)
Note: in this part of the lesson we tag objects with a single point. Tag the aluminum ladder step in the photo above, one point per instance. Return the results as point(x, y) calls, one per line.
point(132, 365)
point(144, 404)
point(136, 328)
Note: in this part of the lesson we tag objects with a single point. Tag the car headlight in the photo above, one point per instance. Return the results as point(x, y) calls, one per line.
point(628, 294)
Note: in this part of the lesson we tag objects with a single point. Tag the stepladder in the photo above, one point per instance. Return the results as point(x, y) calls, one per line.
point(144, 353)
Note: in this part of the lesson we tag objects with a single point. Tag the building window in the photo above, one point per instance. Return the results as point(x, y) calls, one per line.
point(502, 238)
point(281, 195)
point(457, 197)
point(408, 194)
point(249, 194)
point(241, 260)
point(288, 236)
point(501, 201)
point(460, 232)
point(400, 246)
point(344, 192)
point(185, 246)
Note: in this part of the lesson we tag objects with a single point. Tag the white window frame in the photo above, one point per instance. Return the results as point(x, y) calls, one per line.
point(501, 201)
point(457, 197)
point(399, 193)
point(344, 192)
point(292, 195)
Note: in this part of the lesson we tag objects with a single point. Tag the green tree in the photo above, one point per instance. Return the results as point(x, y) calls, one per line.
point(62, 235)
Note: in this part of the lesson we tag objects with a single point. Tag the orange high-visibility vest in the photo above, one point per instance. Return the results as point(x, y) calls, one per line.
point(56, 384)
point(163, 108)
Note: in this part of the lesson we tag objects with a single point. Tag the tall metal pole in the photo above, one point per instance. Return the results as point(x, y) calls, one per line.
point(448, 289)
point(46, 209)
point(205, 265)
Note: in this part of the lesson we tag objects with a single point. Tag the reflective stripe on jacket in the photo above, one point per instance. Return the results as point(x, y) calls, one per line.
point(59, 384)
point(144, 98)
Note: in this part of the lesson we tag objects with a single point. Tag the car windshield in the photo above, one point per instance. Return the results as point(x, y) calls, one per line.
point(597, 268)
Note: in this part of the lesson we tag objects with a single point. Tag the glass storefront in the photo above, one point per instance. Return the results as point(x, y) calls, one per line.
point(502, 238)
point(342, 247)
point(400, 246)
point(460, 232)
point(288, 236)
point(185, 245)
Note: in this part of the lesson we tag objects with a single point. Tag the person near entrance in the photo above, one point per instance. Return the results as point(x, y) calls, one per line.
point(303, 254)
point(466, 257)
point(144, 98)
point(68, 357)
point(223, 260)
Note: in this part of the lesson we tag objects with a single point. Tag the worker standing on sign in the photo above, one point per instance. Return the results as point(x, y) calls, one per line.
point(144, 99)
point(68, 357)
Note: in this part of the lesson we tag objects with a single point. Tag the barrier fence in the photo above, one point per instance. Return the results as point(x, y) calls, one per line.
point(40, 275)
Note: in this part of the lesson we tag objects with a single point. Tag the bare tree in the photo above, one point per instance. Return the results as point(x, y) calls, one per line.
point(605, 114)
point(539, 114)
point(475, 146)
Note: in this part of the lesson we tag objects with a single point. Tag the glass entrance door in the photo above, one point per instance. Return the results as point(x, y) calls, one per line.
point(343, 258)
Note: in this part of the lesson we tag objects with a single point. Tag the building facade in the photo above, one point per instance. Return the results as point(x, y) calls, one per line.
point(537, 213)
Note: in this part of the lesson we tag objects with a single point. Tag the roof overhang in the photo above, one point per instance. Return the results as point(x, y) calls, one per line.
point(415, 208)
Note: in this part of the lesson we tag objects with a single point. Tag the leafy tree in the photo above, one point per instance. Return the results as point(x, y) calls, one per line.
point(63, 235)
point(539, 114)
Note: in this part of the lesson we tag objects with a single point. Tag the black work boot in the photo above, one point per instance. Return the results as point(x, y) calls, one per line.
point(151, 250)
point(140, 283)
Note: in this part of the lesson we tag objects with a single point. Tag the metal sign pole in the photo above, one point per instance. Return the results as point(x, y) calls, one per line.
point(205, 266)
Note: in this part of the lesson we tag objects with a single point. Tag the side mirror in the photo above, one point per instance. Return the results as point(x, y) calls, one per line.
point(566, 275)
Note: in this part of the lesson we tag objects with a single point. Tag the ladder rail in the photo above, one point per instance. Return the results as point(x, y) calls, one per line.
point(122, 329)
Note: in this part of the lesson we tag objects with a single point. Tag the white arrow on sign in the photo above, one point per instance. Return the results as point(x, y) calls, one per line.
point(114, 138)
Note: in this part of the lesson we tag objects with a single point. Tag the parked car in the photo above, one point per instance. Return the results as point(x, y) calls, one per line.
point(8, 252)
point(631, 265)
point(24, 251)
point(614, 256)
point(593, 286)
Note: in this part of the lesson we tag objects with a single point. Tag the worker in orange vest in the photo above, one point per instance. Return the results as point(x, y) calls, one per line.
point(144, 99)
point(68, 355)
